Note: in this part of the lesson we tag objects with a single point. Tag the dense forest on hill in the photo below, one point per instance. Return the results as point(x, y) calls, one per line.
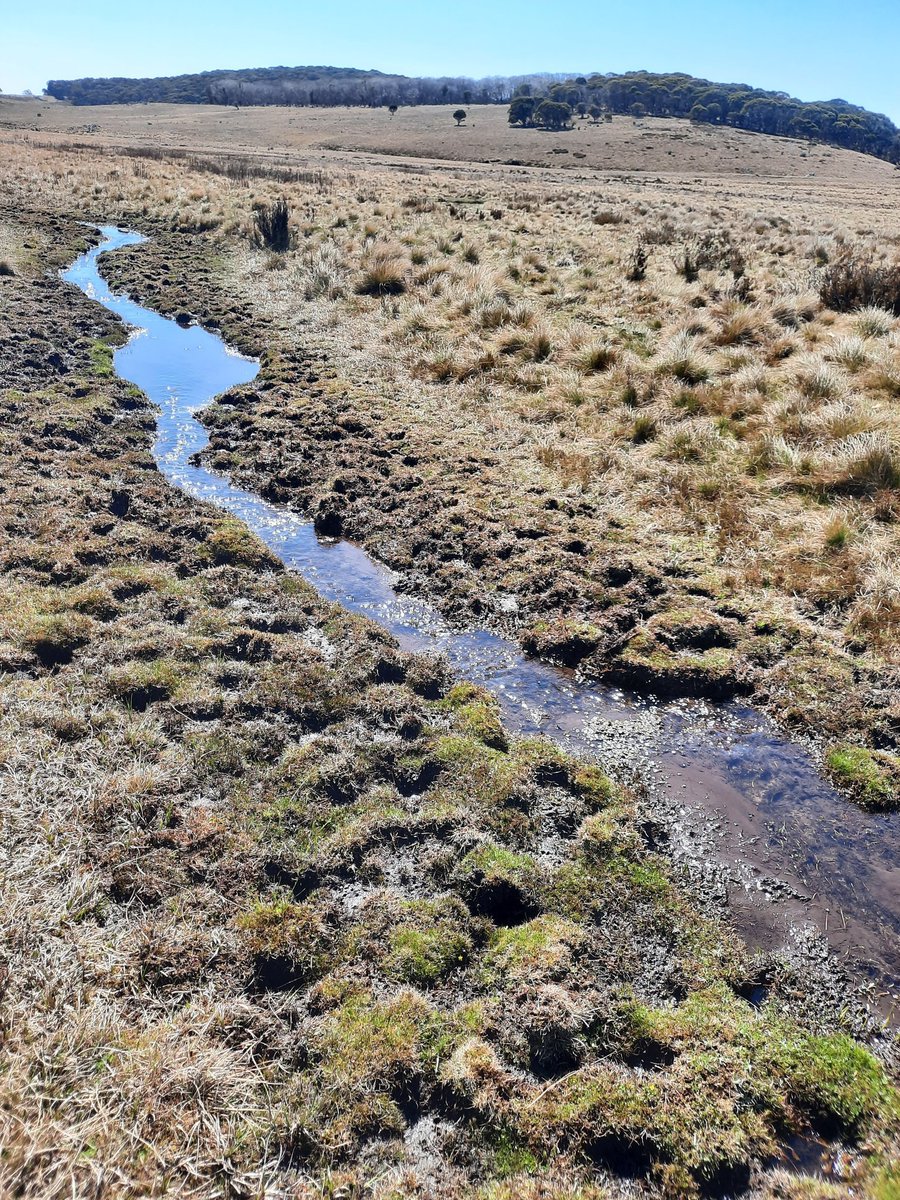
point(316, 86)
point(641, 93)
point(548, 100)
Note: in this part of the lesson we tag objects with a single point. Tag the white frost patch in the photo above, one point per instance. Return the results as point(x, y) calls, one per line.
point(316, 640)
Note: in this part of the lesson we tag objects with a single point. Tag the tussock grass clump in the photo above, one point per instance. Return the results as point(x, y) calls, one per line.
point(540, 344)
point(596, 357)
point(643, 429)
point(272, 224)
point(837, 532)
point(683, 359)
point(873, 322)
point(323, 273)
point(383, 274)
point(870, 462)
point(493, 312)
point(843, 418)
point(428, 940)
point(854, 282)
point(884, 373)
point(849, 352)
point(876, 611)
point(741, 325)
point(775, 451)
point(819, 381)
point(794, 310)
point(608, 216)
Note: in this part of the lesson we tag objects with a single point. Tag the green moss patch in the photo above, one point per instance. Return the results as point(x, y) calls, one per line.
point(429, 941)
point(476, 715)
point(231, 543)
point(873, 776)
point(539, 948)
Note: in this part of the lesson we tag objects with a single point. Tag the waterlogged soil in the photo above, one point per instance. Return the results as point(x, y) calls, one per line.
point(752, 816)
point(319, 918)
point(433, 500)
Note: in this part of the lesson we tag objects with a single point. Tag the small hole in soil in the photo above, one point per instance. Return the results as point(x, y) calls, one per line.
point(502, 901)
point(408, 1099)
point(756, 989)
point(417, 781)
point(301, 883)
point(725, 1179)
point(621, 1156)
point(650, 1055)
point(807, 1154)
point(53, 656)
point(140, 699)
point(552, 1053)
point(275, 973)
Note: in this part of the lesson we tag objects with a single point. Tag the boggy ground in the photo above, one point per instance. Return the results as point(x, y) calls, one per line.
point(705, 509)
point(681, 475)
point(285, 911)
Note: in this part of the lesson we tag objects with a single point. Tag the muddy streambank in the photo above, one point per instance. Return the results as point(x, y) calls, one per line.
point(744, 810)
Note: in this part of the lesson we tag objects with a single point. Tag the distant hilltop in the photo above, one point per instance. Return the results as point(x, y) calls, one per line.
point(638, 93)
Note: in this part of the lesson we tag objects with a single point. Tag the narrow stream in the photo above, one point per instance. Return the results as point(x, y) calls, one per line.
point(749, 810)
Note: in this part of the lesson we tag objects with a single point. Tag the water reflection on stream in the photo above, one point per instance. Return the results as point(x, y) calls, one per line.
point(796, 852)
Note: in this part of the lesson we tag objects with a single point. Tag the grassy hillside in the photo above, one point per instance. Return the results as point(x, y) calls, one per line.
point(276, 135)
point(710, 434)
point(280, 911)
point(638, 93)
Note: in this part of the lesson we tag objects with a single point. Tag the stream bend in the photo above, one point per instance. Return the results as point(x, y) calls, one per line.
point(745, 805)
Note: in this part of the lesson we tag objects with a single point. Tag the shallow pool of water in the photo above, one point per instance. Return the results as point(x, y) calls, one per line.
point(740, 796)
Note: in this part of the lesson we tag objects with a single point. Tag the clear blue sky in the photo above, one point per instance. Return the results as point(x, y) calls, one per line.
point(815, 49)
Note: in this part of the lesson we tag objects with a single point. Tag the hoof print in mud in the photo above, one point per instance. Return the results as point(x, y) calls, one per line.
point(328, 520)
point(501, 885)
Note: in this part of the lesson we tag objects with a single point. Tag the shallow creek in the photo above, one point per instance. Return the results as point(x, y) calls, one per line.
point(747, 810)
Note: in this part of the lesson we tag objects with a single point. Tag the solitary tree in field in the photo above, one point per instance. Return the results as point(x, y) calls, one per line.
point(521, 110)
point(553, 114)
point(392, 108)
point(595, 113)
point(459, 116)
